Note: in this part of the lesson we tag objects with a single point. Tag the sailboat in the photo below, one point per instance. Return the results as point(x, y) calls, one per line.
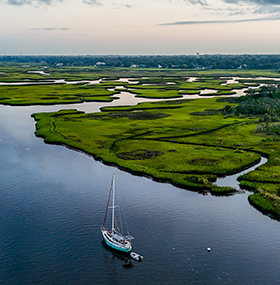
point(112, 237)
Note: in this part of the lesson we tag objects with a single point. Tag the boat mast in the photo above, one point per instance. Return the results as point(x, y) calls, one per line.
point(113, 206)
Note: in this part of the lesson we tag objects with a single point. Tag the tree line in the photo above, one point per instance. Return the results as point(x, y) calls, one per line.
point(157, 61)
point(263, 103)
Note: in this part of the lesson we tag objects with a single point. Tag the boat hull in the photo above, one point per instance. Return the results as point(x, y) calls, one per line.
point(114, 244)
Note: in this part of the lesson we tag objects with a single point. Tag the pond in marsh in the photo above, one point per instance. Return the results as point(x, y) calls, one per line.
point(52, 204)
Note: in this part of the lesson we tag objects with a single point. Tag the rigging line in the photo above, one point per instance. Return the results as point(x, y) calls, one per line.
point(108, 203)
point(120, 215)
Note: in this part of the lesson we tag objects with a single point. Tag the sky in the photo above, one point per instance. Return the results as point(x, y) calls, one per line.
point(139, 27)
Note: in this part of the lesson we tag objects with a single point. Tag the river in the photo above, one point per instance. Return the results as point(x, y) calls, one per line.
point(52, 204)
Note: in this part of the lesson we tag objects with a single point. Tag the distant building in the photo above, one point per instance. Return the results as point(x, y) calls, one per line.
point(242, 66)
point(100, 63)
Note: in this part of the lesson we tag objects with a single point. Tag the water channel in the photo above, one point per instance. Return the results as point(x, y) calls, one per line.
point(52, 203)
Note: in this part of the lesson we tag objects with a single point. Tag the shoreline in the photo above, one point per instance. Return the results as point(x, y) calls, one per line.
point(199, 181)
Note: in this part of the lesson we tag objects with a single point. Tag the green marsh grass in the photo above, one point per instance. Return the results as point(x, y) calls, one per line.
point(53, 94)
point(186, 142)
point(162, 133)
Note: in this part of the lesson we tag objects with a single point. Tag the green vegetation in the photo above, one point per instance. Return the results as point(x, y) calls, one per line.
point(53, 94)
point(265, 181)
point(267, 205)
point(186, 142)
point(165, 140)
point(159, 86)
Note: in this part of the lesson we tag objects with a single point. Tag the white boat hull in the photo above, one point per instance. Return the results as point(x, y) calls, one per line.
point(121, 245)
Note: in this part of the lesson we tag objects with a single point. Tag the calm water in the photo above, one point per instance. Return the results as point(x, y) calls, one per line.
point(52, 203)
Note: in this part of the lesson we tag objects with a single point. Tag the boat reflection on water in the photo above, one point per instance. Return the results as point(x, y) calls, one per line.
point(122, 256)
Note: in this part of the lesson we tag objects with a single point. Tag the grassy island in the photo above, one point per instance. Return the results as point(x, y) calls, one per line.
point(187, 142)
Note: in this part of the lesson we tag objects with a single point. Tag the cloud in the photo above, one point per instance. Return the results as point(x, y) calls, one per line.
point(46, 2)
point(18, 2)
point(123, 5)
point(258, 2)
point(49, 29)
point(229, 11)
point(257, 6)
point(32, 2)
point(272, 18)
point(92, 2)
point(128, 5)
point(267, 9)
point(199, 2)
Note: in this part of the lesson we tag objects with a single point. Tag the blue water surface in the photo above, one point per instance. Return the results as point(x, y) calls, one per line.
point(52, 204)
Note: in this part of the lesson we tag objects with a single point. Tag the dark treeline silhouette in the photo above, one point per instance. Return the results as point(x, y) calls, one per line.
point(263, 101)
point(157, 61)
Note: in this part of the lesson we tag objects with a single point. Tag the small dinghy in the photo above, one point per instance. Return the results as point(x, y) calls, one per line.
point(136, 256)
